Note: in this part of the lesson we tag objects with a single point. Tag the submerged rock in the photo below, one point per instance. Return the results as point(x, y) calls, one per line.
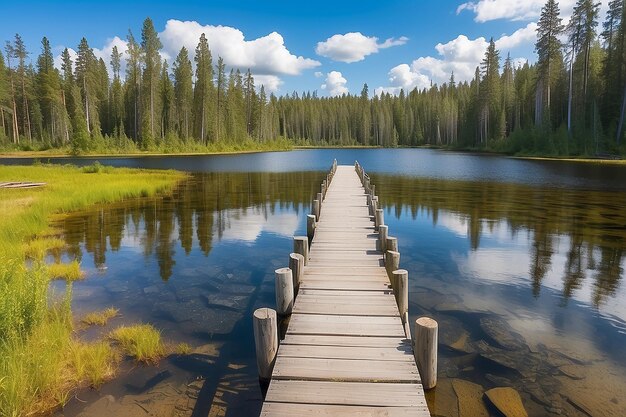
point(507, 401)
point(500, 331)
point(573, 371)
point(469, 397)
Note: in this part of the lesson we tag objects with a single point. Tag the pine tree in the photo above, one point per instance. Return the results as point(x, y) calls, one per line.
point(166, 92)
point(150, 46)
point(203, 91)
point(133, 87)
point(220, 88)
point(116, 100)
point(18, 51)
point(4, 99)
point(183, 92)
point(548, 48)
point(490, 93)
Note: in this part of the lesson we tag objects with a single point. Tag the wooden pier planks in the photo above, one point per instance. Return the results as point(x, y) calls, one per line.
point(345, 352)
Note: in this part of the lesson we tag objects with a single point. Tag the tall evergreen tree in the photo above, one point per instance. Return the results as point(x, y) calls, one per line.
point(150, 46)
point(548, 48)
point(203, 92)
point(183, 92)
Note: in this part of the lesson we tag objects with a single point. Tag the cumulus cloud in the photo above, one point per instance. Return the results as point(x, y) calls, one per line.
point(266, 55)
point(460, 55)
point(335, 84)
point(487, 10)
point(318, 74)
point(354, 46)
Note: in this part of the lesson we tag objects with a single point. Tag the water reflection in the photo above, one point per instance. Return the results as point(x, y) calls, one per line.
point(587, 227)
point(204, 209)
point(526, 284)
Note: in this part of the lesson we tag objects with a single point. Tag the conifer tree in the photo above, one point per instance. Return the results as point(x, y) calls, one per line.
point(150, 46)
point(183, 92)
point(203, 91)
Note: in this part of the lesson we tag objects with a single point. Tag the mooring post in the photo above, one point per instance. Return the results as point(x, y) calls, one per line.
point(401, 283)
point(426, 335)
point(284, 291)
point(319, 207)
point(310, 226)
point(366, 185)
point(382, 237)
point(369, 201)
point(296, 264)
point(323, 190)
point(316, 209)
point(372, 189)
point(374, 206)
point(265, 325)
point(379, 218)
point(392, 263)
point(392, 243)
point(301, 246)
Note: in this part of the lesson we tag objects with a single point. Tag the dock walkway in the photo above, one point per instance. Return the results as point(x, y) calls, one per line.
point(345, 352)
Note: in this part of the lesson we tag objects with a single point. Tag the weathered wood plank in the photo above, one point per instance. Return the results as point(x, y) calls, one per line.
point(353, 370)
point(346, 393)
point(403, 354)
point(317, 410)
point(351, 341)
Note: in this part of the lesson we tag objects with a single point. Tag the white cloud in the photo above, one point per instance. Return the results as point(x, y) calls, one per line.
point(271, 83)
point(487, 10)
point(318, 74)
point(460, 55)
point(266, 55)
point(335, 84)
point(354, 46)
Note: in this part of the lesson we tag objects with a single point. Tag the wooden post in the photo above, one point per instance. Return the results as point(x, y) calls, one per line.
point(323, 189)
point(392, 243)
point(265, 327)
point(373, 189)
point(366, 185)
point(284, 291)
point(374, 206)
point(382, 237)
point(316, 209)
point(310, 226)
point(296, 264)
point(392, 263)
point(301, 246)
point(426, 335)
point(319, 210)
point(369, 201)
point(379, 218)
point(401, 289)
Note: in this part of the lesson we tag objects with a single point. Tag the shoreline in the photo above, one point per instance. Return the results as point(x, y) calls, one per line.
point(43, 154)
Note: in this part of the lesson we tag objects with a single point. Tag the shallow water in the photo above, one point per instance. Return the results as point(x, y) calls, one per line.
point(521, 263)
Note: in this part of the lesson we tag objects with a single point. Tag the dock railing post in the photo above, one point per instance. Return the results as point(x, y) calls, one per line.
point(392, 263)
point(265, 326)
point(301, 246)
point(310, 226)
point(392, 244)
point(372, 189)
point(379, 218)
point(316, 209)
point(425, 349)
point(374, 206)
point(284, 291)
point(319, 206)
point(382, 237)
point(296, 264)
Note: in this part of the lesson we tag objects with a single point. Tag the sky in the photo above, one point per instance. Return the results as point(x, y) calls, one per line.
point(330, 47)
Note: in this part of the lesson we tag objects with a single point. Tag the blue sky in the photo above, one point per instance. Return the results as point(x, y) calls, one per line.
point(327, 46)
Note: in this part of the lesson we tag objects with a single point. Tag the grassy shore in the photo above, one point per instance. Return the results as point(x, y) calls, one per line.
point(41, 359)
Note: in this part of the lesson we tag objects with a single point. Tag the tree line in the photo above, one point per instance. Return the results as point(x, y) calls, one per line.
point(570, 102)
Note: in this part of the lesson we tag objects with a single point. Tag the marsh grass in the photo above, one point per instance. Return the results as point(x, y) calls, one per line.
point(182, 349)
point(41, 360)
point(100, 318)
point(38, 248)
point(141, 341)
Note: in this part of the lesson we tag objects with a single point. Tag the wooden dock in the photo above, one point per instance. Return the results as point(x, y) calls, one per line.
point(346, 351)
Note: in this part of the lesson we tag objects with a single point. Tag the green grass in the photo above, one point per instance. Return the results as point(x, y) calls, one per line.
point(41, 359)
point(100, 318)
point(68, 271)
point(142, 341)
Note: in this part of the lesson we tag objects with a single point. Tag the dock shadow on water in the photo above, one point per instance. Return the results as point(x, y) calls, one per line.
point(195, 264)
point(525, 282)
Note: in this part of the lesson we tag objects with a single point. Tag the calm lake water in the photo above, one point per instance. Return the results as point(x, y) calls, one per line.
point(521, 263)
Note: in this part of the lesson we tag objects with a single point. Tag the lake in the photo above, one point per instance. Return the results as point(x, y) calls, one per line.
point(521, 262)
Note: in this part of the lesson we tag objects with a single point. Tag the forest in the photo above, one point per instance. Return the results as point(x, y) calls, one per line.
point(571, 102)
